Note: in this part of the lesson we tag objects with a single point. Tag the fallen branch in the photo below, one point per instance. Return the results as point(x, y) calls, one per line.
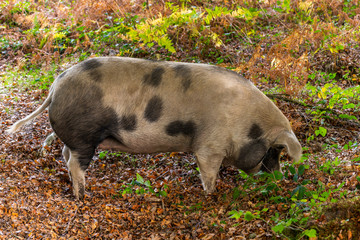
point(328, 110)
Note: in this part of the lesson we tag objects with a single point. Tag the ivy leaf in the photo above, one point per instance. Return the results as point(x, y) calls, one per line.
point(279, 228)
point(350, 105)
point(139, 179)
point(321, 131)
point(236, 214)
point(292, 170)
point(310, 233)
point(346, 116)
point(278, 175)
point(249, 216)
point(301, 170)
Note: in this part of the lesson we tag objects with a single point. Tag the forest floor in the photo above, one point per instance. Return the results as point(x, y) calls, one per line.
point(159, 196)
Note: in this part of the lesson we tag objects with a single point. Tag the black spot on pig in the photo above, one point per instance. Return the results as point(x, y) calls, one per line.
point(255, 131)
point(79, 118)
point(92, 66)
point(128, 123)
point(271, 159)
point(155, 77)
point(251, 154)
point(184, 73)
point(153, 109)
point(179, 127)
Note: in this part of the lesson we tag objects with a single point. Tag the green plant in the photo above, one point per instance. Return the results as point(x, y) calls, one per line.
point(285, 5)
point(6, 45)
point(248, 216)
point(103, 154)
point(321, 131)
point(333, 96)
point(140, 186)
point(330, 166)
point(19, 7)
point(32, 77)
point(302, 202)
point(160, 29)
point(303, 207)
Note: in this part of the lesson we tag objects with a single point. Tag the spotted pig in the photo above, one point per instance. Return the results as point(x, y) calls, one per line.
point(143, 106)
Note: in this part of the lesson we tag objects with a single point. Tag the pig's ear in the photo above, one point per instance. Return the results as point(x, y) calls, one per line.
point(288, 139)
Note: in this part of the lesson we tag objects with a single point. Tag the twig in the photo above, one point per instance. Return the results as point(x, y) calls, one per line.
point(328, 110)
point(280, 96)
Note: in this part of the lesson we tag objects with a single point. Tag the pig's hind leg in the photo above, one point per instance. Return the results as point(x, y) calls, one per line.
point(77, 165)
point(48, 141)
point(66, 153)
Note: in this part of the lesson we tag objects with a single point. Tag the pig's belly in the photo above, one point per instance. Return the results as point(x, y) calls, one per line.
point(113, 144)
point(147, 144)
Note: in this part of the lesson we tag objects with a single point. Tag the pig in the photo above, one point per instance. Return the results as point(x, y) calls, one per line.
point(144, 106)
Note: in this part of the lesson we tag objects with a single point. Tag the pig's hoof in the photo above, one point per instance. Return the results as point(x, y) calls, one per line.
point(48, 141)
point(79, 191)
point(210, 189)
point(43, 152)
point(208, 193)
point(209, 185)
point(80, 195)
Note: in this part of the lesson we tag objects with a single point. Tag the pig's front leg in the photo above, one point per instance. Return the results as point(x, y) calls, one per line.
point(209, 165)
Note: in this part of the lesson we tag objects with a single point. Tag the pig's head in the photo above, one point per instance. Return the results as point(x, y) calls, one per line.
point(270, 162)
point(262, 152)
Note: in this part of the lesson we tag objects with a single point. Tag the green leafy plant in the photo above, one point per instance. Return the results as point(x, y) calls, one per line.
point(321, 131)
point(301, 201)
point(333, 96)
point(103, 154)
point(140, 186)
point(248, 216)
point(32, 77)
point(330, 166)
point(157, 29)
